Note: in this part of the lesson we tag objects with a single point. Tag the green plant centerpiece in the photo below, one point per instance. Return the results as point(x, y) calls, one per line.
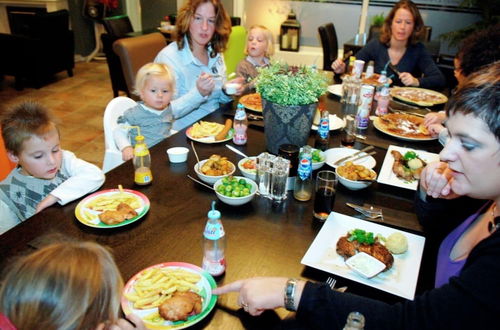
point(290, 96)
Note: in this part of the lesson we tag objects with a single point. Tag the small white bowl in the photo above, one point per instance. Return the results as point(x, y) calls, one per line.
point(177, 154)
point(251, 174)
point(231, 88)
point(355, 185)
point(365, 265)
point(235, 201)
point(210, 179)
point(318, 165)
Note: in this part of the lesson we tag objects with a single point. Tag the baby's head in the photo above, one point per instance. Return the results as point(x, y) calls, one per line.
point(260, 42)
point(32, 139)
point(155, 85)
point(65, 285)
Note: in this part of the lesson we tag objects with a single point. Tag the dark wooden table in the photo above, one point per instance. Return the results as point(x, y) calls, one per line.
point(262, 239)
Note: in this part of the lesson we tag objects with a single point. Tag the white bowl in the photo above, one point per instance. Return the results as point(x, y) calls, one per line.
point(235, 201)
point(210, 179)
point(355, 185)
point(251, 174)
point(318, 165)
point(334, 154)
point(177, 154)
point(231, 88)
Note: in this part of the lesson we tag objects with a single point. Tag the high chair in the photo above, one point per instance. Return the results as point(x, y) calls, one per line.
point(115, 108)
point(5, 164)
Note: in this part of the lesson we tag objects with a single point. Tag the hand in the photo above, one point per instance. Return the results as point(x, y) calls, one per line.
point(46, 202)
point(408, 80)
point(133, 322)
point(127, 153)
point(435, 129)
point(436, 179)
point(240, 81)
point(434, 118)
point(205, 84)
point(257, 294)
point(338, 66)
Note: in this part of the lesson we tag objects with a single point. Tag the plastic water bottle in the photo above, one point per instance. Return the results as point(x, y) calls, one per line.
point(303, 182)
point(355, 321)
point(214, 244)
point(323, 134)
point(240, 125)
point(142, 162)
point(383, 101)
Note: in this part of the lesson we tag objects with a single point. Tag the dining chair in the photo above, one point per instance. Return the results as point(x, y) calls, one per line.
point(235, 50)
point(135, 52)
point(329, 43)
point(115, 108)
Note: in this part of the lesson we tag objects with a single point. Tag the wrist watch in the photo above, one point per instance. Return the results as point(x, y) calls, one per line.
point(290, 287)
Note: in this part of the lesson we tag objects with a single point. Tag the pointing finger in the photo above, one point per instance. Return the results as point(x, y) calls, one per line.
point(231, 287)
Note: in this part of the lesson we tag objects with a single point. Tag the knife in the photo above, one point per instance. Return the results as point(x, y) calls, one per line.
point(363, 156)
point(346, 56)
point(341, 160)
point(394, 69)
point(371, 212)
point(406, 112)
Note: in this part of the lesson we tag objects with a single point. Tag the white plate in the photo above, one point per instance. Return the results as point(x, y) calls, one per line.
point(210, 139)
point(400, 280)
point(335, 123)
point(335, 89)
point(334, 154)
point(387, 176)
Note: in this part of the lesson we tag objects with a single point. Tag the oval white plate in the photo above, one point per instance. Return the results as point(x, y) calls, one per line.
point(335, 89)
point(335, 123)
point(334, 154)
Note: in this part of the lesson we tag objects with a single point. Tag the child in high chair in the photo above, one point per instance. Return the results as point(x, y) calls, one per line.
point(155, 85)
point(45, 173)
point(260, 47)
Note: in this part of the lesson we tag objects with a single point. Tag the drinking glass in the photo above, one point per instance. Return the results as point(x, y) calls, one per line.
point(326, 187)
point(281, 168)
point(264, 164)
point(348, 134)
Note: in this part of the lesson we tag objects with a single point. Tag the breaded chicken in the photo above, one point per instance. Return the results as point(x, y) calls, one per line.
point(180, 306)
point(347, 249)
point(123, 212)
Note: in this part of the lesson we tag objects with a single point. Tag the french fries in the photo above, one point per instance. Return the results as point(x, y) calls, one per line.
point(111, 201)
point(205, 128)
point(155, 285)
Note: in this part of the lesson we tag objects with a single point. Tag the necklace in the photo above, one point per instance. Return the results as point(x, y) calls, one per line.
point(494, 223)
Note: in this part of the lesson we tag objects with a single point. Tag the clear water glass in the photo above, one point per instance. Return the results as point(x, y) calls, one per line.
point(264, 173)
point(281, 168)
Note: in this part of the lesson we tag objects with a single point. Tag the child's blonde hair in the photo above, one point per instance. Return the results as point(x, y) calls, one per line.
point(269, 38)
point(153, 69)
point(23, 121)
point(65, 285)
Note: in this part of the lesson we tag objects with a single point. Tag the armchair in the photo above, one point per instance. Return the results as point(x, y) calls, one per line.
point(43, 47)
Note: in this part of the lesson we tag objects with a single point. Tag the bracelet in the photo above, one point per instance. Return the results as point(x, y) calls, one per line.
point(290, 286)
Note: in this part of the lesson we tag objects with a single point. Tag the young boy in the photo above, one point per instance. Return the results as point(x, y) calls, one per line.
point(45, 174)
point(155, 85)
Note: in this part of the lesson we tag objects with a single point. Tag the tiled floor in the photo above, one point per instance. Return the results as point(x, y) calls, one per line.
point(78, 102)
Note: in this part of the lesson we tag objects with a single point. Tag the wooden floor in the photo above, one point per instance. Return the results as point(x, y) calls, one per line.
point(77, 101)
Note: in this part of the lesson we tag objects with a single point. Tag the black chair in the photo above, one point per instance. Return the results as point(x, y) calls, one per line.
point(235, 20)
point(116, 27)
point(42, 47)
point(329, 43)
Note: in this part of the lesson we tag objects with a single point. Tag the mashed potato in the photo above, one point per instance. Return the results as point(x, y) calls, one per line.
point(397, 243)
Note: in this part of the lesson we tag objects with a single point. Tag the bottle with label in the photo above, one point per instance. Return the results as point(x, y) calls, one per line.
point(355, 321)
point(323, 134)
point(142, 162)
point(369, 69)
point(365, 106)
point(303, 182)
point(351, 65)
point(240, 125)
point(214, 244)
point(383, 101)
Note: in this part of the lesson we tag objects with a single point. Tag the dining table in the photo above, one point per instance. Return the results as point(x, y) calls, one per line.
point(263, 238)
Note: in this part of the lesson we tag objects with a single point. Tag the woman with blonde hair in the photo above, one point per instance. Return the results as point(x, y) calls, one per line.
point(203, 28)
point(399, 44)
point(65, 285)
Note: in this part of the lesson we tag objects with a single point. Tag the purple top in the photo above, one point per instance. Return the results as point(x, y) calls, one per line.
point(446, 267)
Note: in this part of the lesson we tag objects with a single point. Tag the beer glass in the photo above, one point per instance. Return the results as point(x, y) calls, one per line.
point(326, 186)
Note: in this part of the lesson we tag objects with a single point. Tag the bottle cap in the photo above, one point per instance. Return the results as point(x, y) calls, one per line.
point(139, 138)
point(371, 63)
point(213, 214)
point(240, 106)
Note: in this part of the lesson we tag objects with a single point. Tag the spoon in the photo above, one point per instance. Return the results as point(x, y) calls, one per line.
point(196, 155)
point(236, 150)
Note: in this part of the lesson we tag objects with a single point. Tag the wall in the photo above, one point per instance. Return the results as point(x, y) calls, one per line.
point(152, 12)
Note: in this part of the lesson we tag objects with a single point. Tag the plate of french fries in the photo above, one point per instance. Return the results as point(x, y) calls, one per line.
point(151, 287)
point(211, 132)
point(88, 211)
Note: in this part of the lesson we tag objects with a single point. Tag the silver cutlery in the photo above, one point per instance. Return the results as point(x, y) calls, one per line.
point(230, 147)
point(331, 282)
point(367, 210)
point(254, 117)
point(393, 68)
point(196, 155)
point(406, 112)
point(341, 160)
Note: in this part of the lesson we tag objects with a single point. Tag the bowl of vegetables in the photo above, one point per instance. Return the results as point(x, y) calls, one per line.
point(248, 167)
point(235, 190)
point(318, 159)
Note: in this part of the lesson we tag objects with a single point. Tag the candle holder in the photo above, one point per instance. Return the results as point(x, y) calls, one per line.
point(290, 34)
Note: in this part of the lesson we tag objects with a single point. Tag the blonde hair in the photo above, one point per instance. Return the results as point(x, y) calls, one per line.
point(269, 38)
point(23, 121)
point(149, 70)
point(66, 285)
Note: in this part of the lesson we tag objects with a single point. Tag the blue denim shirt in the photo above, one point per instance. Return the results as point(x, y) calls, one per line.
point(188, 105)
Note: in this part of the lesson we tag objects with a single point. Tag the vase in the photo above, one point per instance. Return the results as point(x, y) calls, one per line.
point(286, 124)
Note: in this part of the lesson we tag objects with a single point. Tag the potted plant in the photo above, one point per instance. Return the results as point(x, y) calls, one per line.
point(376, 25)
point(289, 98)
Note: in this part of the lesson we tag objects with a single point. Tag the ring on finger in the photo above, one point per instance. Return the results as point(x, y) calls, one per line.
point(244, 305)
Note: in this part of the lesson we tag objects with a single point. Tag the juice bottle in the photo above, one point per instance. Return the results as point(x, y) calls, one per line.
point(142, 162)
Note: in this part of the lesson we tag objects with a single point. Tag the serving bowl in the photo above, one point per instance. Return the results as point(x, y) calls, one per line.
point(251, 174)
point(177, 154)
point(210, 179)
point(235, 201)
point(355, 184)
point(317, 165)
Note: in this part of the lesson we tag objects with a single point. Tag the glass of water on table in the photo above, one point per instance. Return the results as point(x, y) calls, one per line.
point(281, 167)
point(326, 187)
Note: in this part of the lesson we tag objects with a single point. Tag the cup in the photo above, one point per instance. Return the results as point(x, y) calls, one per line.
point(358, 68)
point(290, 152)
point(348, 134)
point(264, 166)
point(177, 154)
point(231, 88)
point(326, 187)
point(279, 178)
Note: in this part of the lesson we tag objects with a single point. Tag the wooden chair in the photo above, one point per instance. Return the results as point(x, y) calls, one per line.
point(329, 43)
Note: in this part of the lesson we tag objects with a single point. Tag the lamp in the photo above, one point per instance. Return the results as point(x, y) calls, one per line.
point(290, 33)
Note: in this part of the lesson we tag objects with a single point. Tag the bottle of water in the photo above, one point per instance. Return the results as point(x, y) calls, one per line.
point(323, 134)
point(214, 244)
point(142, 162)
point(355, 321)
point(303, 182)
point(383, 101)
point(240, 125)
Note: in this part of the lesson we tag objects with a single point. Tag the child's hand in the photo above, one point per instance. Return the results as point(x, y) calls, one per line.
point(205, 84)
point(46, 202)
point(127, 153)
point(434, 118)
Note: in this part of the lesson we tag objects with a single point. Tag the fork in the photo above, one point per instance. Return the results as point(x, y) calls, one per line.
point(331, 282)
